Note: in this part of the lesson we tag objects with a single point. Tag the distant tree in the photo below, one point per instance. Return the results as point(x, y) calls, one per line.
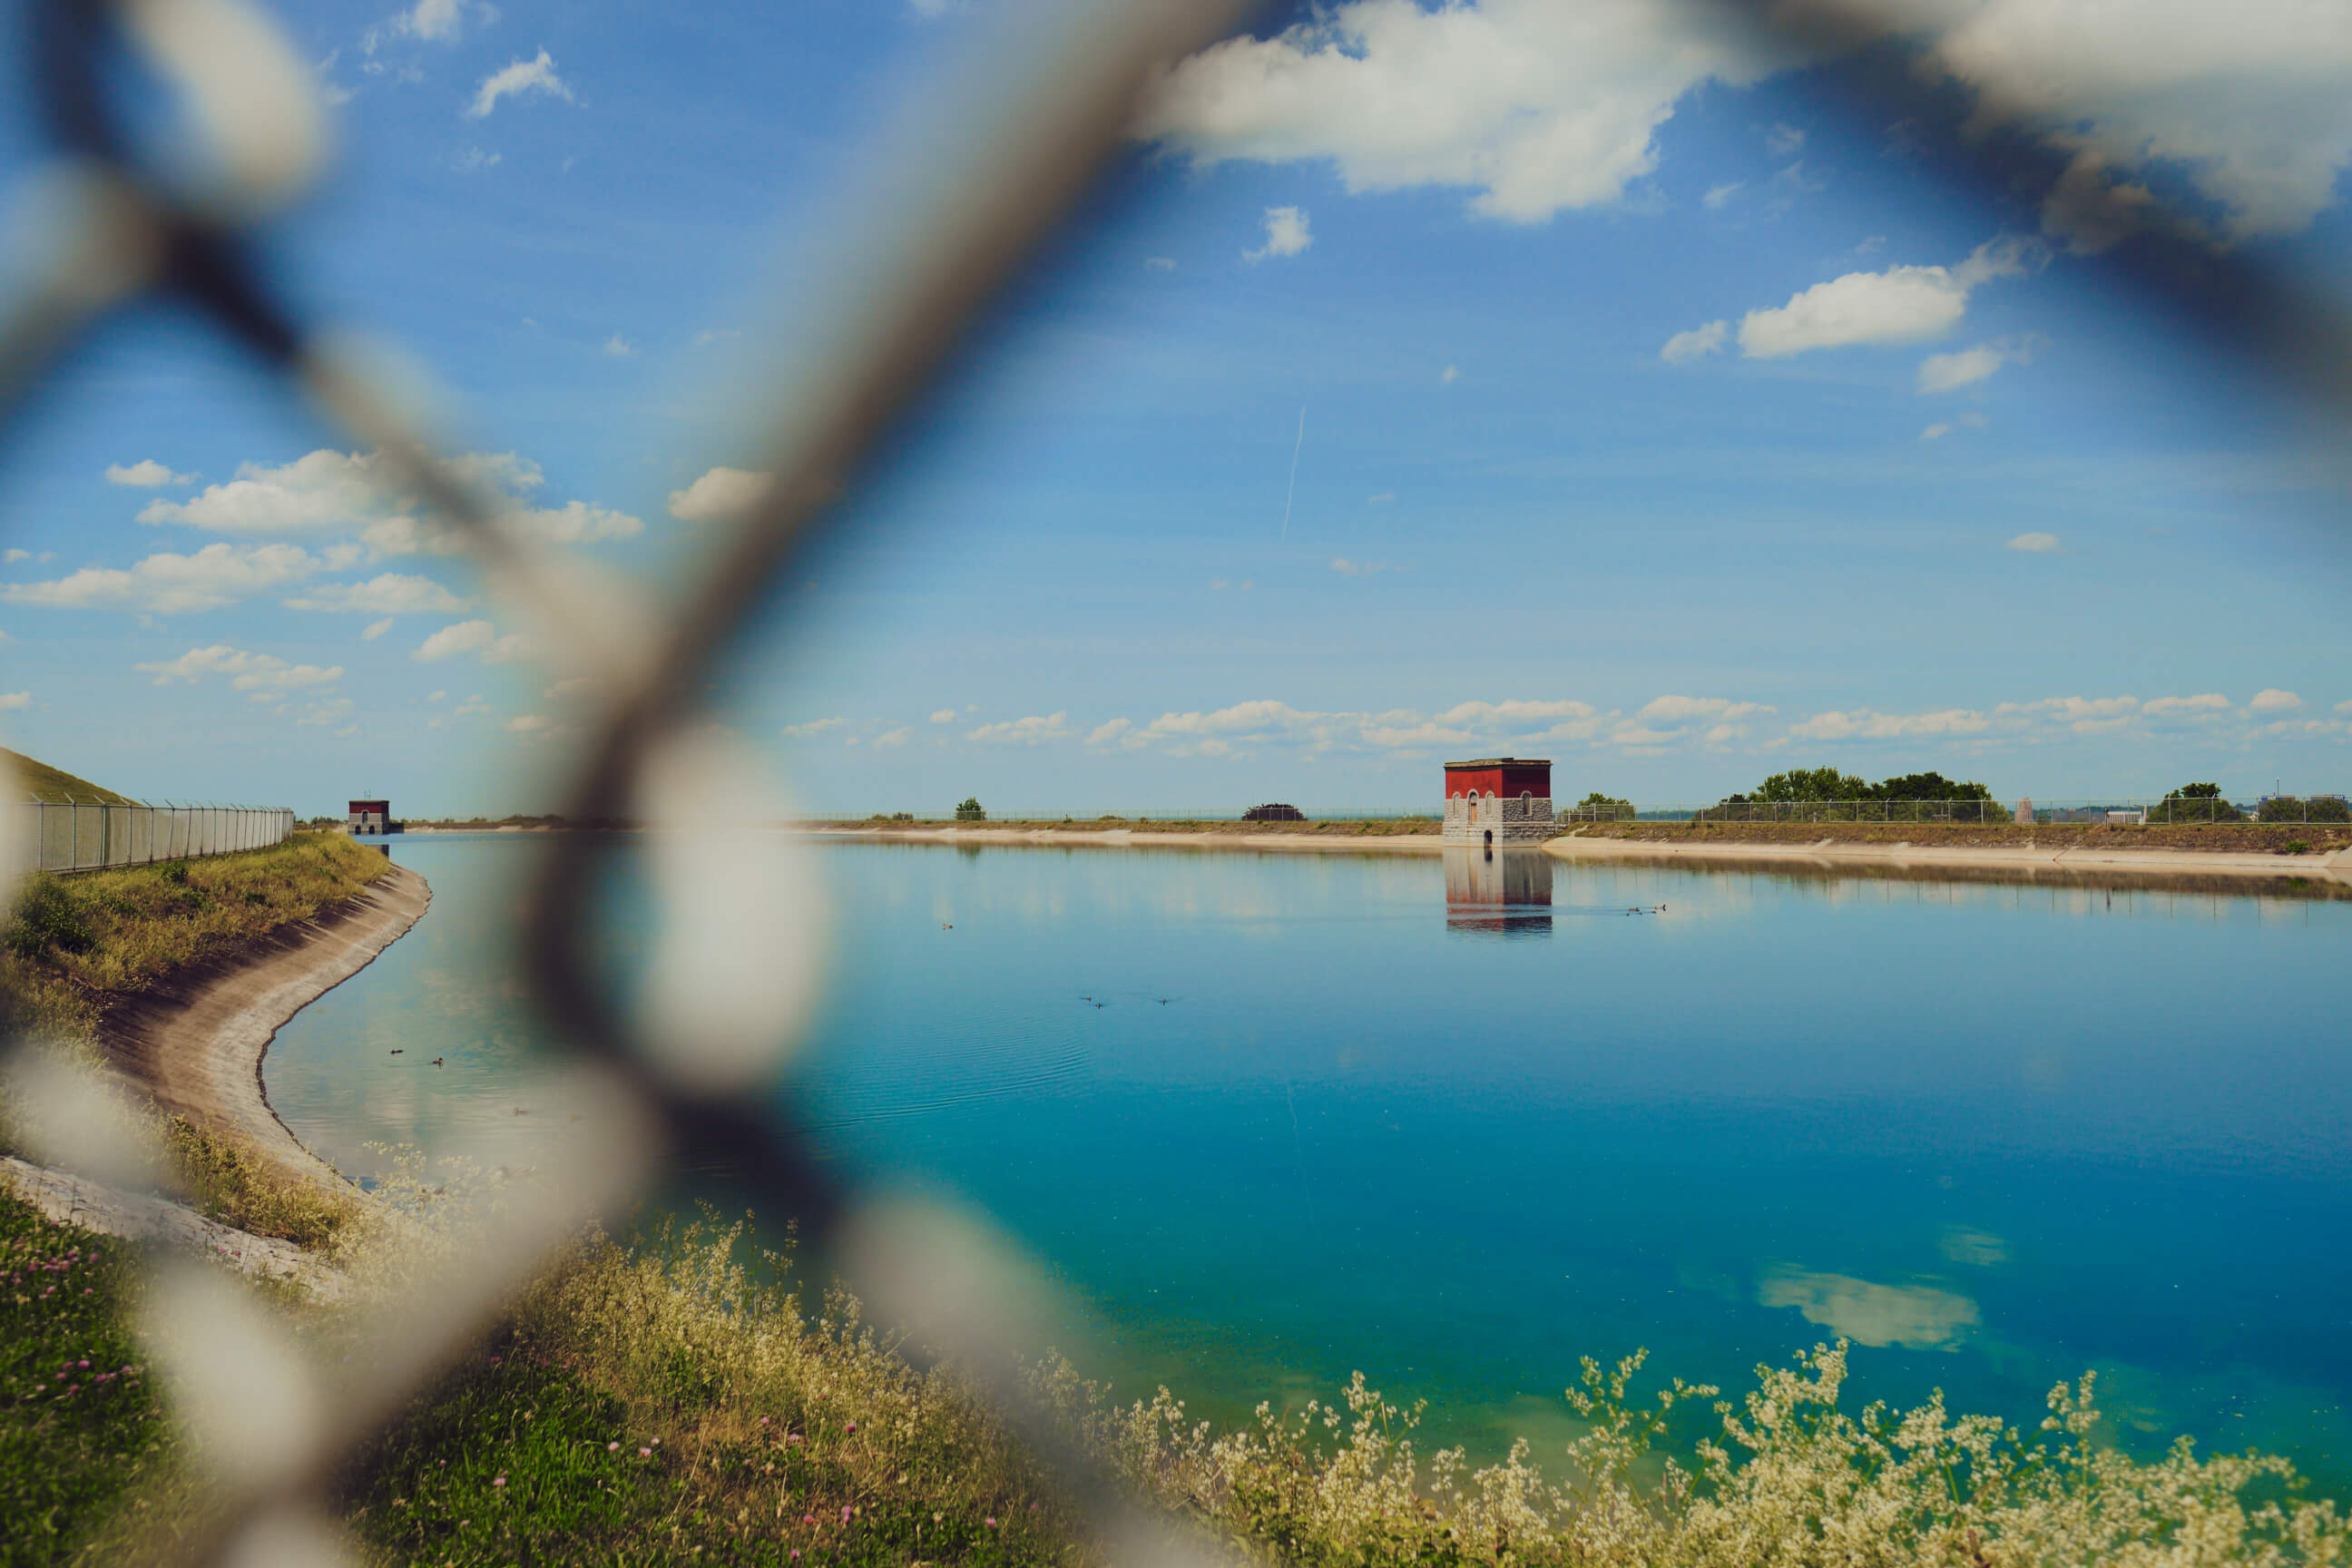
point(2318, 808)
point(1810, 784)
point(970, 811)
point(2196, 803)
point(1927, 786)
point(1603, 806)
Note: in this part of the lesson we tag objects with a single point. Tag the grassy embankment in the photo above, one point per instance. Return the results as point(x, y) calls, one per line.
point(74, 946)
point(46, 782)
point(2232, 838)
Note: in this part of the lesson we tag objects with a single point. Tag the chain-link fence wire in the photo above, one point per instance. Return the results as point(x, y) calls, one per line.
point(70, 835)
point(969, 189)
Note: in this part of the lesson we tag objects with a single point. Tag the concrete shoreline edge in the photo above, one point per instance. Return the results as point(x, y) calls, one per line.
point(194, 1047)
point(2022, 860)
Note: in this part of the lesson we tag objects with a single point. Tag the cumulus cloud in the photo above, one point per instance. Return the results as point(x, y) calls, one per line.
point(146, 474)
point(814, 727)
point(2245, 102)
point(1865, 724)
point(327, 491)
point(1686, 710)
point(719, 495)
point(1104, 734)
point(257, 672)
point(944, 716)
point(2204, 703)
point(1900, 305)
point(2034, 543)
point(1029, 732)
point(533, 76)
point(1916, 1317)
point(1449, 375)
point(889, 738)
point(1347, 568)
point(472, 637)
point(1936, 432)
point(1718, 196)
point(2271, 700)
point(1532, 106)
point(391, 594)
point(619, 347)
point(528, 723)
point(376, 629)
point(168, 583)
point(1699, 342)
point(1285, 235)
point(11, 700)
point(1943, 372)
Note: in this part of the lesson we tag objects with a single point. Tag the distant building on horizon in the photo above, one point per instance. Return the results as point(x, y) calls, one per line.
point(1498, 800)
point(371, 817)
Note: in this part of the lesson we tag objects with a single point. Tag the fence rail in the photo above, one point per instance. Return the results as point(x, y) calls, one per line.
point(2315, 810)
point(88, 836)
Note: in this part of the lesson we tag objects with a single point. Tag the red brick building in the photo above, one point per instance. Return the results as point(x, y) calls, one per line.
point(1498, 800)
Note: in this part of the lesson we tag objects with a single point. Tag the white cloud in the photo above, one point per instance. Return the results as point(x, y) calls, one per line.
point(10, 700)
point(473, 160)
point(1533, 105)
point(620, 347)
point(1716, 709)
point(1900, 305)
point(1783, 140)
point(1936, 432)
point(257, 672)
point(1718, 196)
point(719, 495)
point(2246, 102)
point(2034, 543)
point(889, 738)
point(573, 522)
point(392, 594)
point(533, 76)
point(1347, 568)
point(944, 716)
point(528, 724)
point(376, 629)
point(1943, 372)
point(1513, 713)
point(473, 707)
point(814, 727)
point(1104, 734)
point(473, 637)
point(2271, 700)
point(1029, 732)
point(1285, 235)
point(1161, 263)
point(168, 583)
point(14, 556)
point(564, 690)
point(2202, 705)
point(1449, 375)
point(146, 474)
point(1683, 347)
point(1863, 724)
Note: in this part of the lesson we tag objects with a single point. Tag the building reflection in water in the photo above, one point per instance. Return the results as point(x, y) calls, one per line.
point(1499, 892)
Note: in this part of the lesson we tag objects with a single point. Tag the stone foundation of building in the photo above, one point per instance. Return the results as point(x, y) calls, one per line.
point(1485, 820)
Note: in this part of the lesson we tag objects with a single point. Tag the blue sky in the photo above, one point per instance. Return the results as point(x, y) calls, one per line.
point(1660, 416)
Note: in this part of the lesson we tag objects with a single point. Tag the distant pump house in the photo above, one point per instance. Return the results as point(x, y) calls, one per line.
point(1498, 800)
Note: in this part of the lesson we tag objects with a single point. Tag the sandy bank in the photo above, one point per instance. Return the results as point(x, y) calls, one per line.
point(2019, 860)
point(1129, 839)
point(194, 1043)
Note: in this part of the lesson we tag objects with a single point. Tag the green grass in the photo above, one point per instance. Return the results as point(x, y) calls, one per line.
point(74, 945)
point(47, 783)
point(81, 1425)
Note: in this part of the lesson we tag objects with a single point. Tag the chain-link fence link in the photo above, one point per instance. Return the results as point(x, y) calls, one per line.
point(688, 1060)
point(89, 835)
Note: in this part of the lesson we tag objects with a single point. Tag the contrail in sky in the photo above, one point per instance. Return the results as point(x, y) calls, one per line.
point(1294, 471)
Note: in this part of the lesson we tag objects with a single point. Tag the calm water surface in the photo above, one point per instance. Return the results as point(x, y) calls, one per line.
point(1277, 1118)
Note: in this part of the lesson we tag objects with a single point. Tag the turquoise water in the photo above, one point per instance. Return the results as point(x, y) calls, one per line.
point(1277, 1118)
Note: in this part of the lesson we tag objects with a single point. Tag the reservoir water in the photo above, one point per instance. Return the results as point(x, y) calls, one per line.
point(1275, 1118)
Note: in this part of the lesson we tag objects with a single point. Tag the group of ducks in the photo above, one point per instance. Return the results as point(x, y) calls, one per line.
point(397, 1050)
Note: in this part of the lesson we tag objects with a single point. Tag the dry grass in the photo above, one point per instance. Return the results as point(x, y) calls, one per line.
point(73, 945)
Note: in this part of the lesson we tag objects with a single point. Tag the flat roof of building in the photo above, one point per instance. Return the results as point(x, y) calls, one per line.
point(1503, 762)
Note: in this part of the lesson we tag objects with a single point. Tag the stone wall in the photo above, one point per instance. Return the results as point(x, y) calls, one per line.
point(1526, 819)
